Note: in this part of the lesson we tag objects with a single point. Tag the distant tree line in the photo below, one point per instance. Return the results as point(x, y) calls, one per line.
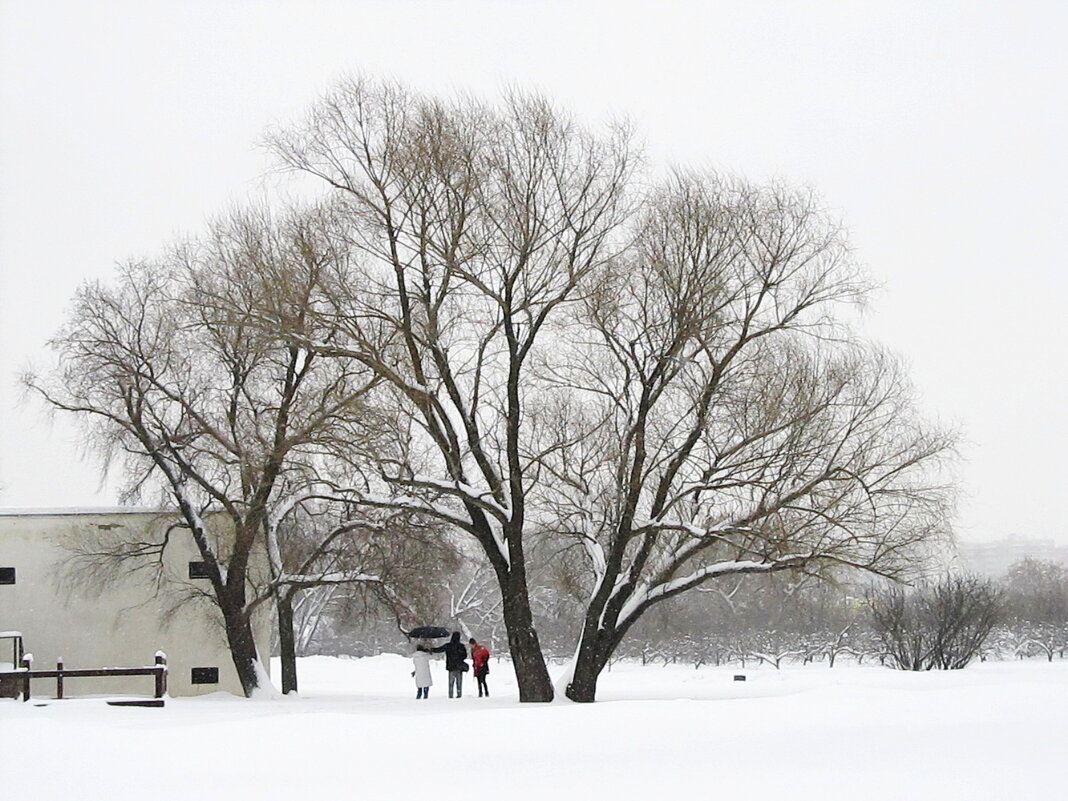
point(773, 620)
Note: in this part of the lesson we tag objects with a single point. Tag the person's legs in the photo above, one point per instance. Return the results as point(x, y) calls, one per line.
point(452, 682)
point(459, 683)
point(482, 688)
point(419, 692)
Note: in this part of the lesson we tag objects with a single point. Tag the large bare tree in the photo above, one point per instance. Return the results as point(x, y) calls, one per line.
point(666, 389)
point(712, 419)
point(172, 374)
point(473, 227)
point(493, 326)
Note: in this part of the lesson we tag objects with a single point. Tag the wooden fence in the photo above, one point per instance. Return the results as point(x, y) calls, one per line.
point(25, 675)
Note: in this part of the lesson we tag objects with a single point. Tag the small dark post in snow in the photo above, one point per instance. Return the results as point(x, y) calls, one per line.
point(59, 678)
point(161, 674)
point(27, 663)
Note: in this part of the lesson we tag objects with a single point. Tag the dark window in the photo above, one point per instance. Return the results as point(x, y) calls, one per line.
point(7, 575)
point(205, 675)
point(198, 570)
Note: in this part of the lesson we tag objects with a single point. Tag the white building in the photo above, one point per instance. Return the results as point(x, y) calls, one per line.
point(65, 611)
point(995, 557)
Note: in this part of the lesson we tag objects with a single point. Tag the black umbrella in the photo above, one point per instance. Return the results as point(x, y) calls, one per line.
point(427, 633)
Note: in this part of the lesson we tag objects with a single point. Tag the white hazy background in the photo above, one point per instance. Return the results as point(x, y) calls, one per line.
point(936, 130)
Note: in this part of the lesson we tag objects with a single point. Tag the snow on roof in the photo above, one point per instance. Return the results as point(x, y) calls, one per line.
point(76, 511)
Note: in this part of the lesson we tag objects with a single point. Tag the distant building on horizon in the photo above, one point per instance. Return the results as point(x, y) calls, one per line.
point(996, 557)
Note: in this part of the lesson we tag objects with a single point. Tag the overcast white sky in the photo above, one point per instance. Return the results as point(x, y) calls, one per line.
point(938, 131)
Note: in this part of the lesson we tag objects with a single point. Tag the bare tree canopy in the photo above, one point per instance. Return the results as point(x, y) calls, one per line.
point(176, 379)
point(500, 324)
point(716, 420)
point(651, 372)
point(941, 625)
point(473, 228)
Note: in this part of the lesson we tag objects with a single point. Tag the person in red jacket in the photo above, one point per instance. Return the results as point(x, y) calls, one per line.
point(480, 662)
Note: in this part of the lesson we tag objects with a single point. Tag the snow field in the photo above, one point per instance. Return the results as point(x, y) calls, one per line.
point(993, 731)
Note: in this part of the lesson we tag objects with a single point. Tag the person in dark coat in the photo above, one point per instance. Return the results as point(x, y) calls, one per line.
point(479, 665)
point(455, 663)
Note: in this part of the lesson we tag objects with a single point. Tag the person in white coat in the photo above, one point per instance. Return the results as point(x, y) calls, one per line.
point(423, 680)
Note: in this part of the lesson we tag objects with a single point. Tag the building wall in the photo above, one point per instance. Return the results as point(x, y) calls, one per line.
point(994, 558)
point(63, 612)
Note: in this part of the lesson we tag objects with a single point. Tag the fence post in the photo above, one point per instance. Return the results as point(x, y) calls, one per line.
point(27, 663)
point(161, 674)
point(59, 678)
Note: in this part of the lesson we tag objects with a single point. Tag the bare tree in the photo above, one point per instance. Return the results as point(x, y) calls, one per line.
point(713, 420)
point(941, 625)
point(475, 226)
point(666, 392)
point(330, 544)
point(488, 327)
point(475, 603)
point(172, 376)
point(1036, 606)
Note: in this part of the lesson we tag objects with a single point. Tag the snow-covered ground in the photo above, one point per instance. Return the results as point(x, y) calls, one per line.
point(993, 731)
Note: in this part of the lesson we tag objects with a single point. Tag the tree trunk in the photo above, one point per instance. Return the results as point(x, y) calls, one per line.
point(589, 662)
point(530, 671)
point(242, 644)
point(286, 642)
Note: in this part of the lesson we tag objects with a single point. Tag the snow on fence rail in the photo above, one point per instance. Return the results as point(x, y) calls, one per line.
point(25, 674)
